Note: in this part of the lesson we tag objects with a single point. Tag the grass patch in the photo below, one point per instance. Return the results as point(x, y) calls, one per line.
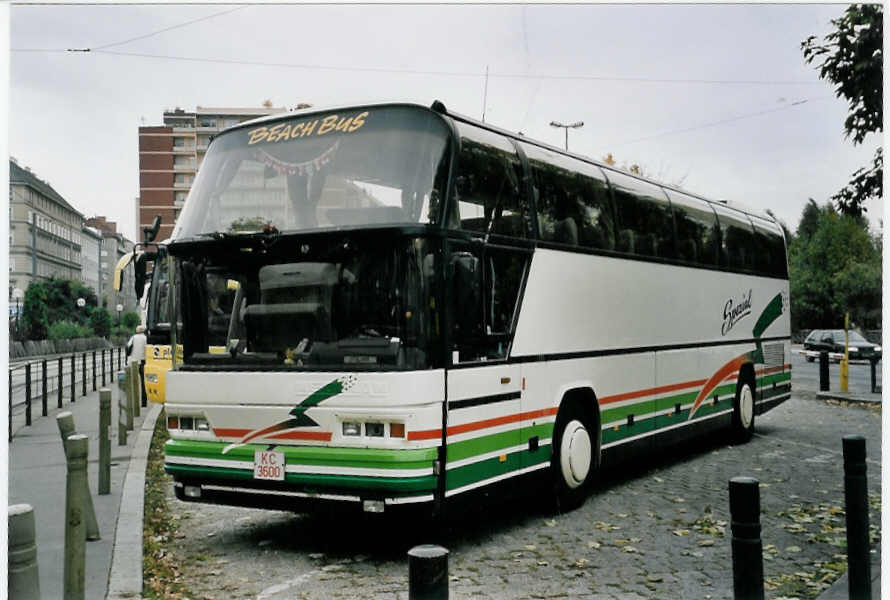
point(160, 572)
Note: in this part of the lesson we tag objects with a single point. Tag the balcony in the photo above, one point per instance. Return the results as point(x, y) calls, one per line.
point(184, 166)
point(184, 149)
point(183, 184)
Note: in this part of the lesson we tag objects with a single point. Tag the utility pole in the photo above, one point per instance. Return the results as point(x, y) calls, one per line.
point(575, 125)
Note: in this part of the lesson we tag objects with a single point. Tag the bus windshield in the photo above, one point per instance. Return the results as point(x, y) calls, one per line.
point(356, 167)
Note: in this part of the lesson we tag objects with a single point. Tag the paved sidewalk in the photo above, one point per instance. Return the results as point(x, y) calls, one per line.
point(37, 474)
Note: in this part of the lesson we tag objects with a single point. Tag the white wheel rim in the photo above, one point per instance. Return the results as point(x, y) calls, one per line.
point(575, 454)
point(746, 406)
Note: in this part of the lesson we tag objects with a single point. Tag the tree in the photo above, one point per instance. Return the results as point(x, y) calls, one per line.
point(100, 322)
point(35, 319)
point(852, 58)
point(834, 269)
point(809, 219)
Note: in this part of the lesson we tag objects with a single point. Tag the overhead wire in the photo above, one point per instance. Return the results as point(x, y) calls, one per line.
point(723, 121)
point(480, 74)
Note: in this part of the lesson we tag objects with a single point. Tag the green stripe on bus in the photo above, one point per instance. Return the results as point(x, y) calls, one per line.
point(643, 409)
point(775, 378)
point(493, 467)
point(776, 391)
point(490, 443)
point(367, 458)
point(324, 483)
point(646, 425)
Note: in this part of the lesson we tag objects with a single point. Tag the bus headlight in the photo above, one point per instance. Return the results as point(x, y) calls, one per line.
point(351, 428)
point(151, 377)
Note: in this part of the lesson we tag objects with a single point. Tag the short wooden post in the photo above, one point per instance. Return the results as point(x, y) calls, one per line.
point(131, 386)
point(65, 422)
point(122, 415)
point(77, 448)
point(137, 390)
point(104, 442)
point(24, 582)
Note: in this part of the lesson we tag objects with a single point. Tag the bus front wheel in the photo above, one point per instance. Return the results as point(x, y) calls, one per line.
point(743, 410)
point(573, 462)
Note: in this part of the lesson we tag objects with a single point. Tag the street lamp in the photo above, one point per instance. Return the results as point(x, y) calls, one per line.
point(81, 303)
point(119, 308)
point(575, 125)
point(18, 294)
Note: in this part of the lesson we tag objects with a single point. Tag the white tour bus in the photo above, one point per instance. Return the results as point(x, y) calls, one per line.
point(415, 305)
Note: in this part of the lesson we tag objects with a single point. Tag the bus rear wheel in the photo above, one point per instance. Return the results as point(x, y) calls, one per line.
point(743, 409)
point(573, 462)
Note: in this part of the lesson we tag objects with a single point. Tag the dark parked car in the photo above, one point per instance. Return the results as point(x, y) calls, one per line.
point(832, 340)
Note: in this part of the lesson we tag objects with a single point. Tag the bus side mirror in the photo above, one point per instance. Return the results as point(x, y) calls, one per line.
point(467, 297)
point(139, 274)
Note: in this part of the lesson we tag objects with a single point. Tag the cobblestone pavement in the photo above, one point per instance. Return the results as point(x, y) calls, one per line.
point(654, 530)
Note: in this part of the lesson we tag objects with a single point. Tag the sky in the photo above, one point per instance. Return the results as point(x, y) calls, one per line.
point(715, 98)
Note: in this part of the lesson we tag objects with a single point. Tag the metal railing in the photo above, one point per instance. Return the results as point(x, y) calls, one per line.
point(43, 379)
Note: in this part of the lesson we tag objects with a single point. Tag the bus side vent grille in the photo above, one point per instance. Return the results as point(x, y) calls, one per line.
point(773, 355)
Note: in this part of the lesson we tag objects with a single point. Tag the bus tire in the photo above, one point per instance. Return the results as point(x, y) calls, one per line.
point(573, 463)
point(743, 408)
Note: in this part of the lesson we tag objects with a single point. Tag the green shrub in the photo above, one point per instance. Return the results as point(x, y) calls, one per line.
point(66, 330)
point(130, 320)
point(35, 319)
point(100, 322)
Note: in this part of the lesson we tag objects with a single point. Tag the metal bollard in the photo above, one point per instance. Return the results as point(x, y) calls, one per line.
point(94, 370)
point(111, 360)
point(747, 547)
point(77, 448)
point(24, 582)
point(856, 505)
point(103, 367)
point(823, 371)
point(73, 374)
point(428, 572)
point(83, 372)
point(120, 353)
point(9, 414)
point(28, 394)
point(43, 406)
point(104, 442)
point(60, 386)
point(65, 421)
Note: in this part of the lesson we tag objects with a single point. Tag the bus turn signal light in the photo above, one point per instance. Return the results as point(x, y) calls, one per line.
point(397, 430)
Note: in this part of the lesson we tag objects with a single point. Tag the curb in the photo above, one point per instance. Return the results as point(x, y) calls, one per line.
point(125, 578)
point(848, 397)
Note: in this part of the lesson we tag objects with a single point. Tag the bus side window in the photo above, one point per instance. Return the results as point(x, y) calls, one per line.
point(739, 245)
point(572, 200)
point(698, 238)
point(645, 223)
point(770, 249)
point(488, 194)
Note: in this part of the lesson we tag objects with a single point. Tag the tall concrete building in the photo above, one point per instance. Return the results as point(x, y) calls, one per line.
point(114, 246)
point(44, 232)
point(171, 154)
point(91, 258)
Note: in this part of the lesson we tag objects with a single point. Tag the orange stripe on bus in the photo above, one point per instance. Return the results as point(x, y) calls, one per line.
point(651, 391)
point(321, 436)
point(485, 424)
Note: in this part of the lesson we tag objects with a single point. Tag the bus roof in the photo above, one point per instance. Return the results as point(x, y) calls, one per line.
point(439, 107)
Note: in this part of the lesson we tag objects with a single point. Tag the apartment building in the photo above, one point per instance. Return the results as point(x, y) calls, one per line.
point(114, 246)
point(170, 156)
point(91, 258)
point(45, 236)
